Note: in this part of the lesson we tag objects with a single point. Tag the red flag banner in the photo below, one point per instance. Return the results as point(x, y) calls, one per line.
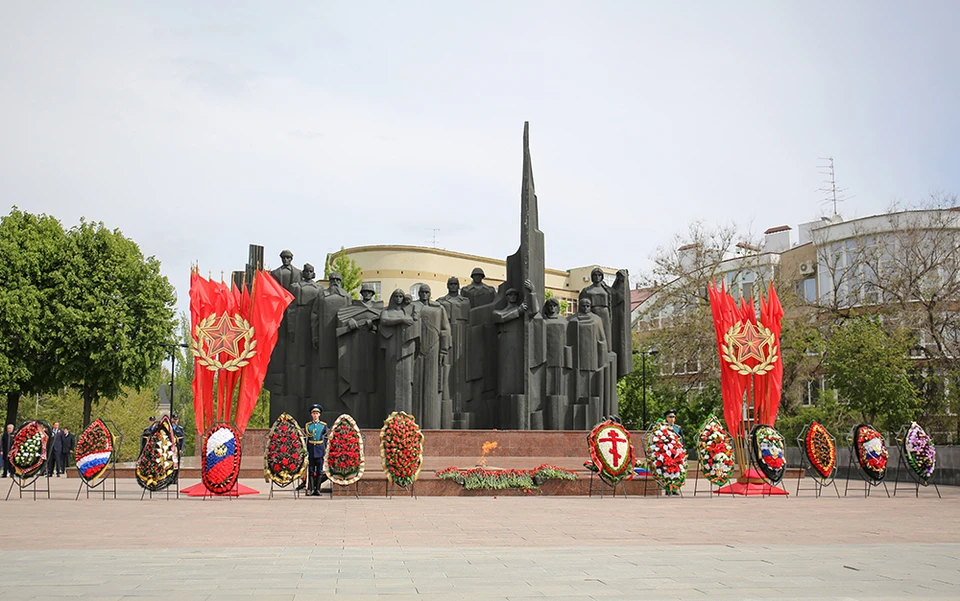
point(233, 335)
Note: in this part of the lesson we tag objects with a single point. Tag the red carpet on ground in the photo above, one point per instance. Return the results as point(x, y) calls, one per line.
point(755, 486)
point(199, 490)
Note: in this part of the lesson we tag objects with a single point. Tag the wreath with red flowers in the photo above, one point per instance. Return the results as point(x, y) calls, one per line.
point(401, 448)
point(666, 457)
point(871, 452)
point(285, 458)
point(220, 465)
point(821, 449)
point(159, 461)
point(94, 451)
point(611, 452)
point(767, 446)
point(28, 449)
point(343, 462)
point(715, 451)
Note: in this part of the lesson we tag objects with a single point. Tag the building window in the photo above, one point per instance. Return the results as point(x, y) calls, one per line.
point(808, 289)
point(415, 291)
point(813, 391)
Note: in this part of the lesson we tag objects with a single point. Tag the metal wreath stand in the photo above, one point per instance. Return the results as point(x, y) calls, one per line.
point(21, 482)
point(854, 465)
point(820, 482)
point(904, 465)
point(110, 472)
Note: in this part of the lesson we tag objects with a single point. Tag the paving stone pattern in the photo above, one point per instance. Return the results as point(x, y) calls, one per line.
point(479, 548)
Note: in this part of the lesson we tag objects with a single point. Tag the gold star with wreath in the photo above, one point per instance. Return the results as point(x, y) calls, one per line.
point(225, 337)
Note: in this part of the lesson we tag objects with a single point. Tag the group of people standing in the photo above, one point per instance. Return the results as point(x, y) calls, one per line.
point(60, 444)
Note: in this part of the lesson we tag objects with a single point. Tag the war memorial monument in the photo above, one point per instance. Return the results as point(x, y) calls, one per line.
point(474, 358)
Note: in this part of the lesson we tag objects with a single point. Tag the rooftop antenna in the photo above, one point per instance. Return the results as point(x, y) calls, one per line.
point(831, 194)
point(434, 240)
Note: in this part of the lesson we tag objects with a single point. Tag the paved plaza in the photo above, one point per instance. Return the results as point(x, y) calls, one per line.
point(567, 548)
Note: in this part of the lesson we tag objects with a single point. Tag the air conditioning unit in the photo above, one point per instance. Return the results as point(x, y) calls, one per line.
point(808, 267)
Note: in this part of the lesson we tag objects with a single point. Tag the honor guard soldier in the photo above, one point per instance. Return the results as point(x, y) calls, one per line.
point(317, 433)
point(178, 432)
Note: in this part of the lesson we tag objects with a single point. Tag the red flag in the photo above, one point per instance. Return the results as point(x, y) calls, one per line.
point(732, 384)
point(768, 403)
point(202, 304)
point(268, 302)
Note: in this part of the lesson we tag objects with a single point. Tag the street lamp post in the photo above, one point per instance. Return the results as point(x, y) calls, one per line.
point(173, 363)
point(643, 385)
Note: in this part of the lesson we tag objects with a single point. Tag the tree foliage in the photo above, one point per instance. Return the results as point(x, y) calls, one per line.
point(677, 319)
point(33, 248)
point(82, 308)
point(341, 263)
point(869, 368)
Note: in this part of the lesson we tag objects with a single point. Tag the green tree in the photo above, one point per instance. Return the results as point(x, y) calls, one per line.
point(347, 268)
point(115, 313)
point(33, 248)
point(869, 368)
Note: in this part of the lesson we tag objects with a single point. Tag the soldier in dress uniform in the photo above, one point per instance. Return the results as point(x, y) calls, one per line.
point(178, 432)
point(317, 433)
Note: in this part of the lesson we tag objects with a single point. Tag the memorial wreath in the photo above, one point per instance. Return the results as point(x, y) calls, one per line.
point(871, 451)
point(715, 448)
point(222, 449)
point(285, 459)
point(94, 451)
point(821, 449)
point(401, 448)
point(28, 450)
point(159, 461)
point(666, 457)
point(920, 452)
point(767, 446)
point(344, 461)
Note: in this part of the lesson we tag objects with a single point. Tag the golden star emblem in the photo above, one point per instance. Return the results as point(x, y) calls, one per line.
point(748, 343)
point(223, 337)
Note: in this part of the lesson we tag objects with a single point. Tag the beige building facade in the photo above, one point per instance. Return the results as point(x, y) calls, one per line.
point(389, 267)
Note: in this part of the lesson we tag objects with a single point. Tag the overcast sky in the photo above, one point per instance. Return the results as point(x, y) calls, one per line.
point(197, 128)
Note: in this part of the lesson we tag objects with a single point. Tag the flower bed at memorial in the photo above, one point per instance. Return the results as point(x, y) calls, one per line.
point(344, 460)
point(401, 448)
point(480, 478)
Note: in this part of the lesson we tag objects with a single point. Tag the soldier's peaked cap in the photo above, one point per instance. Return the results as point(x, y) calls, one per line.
point(316, 408)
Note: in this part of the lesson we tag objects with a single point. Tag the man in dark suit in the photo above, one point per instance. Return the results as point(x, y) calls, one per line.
point(55, 450)
point(69, 443)
point(5, 441)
